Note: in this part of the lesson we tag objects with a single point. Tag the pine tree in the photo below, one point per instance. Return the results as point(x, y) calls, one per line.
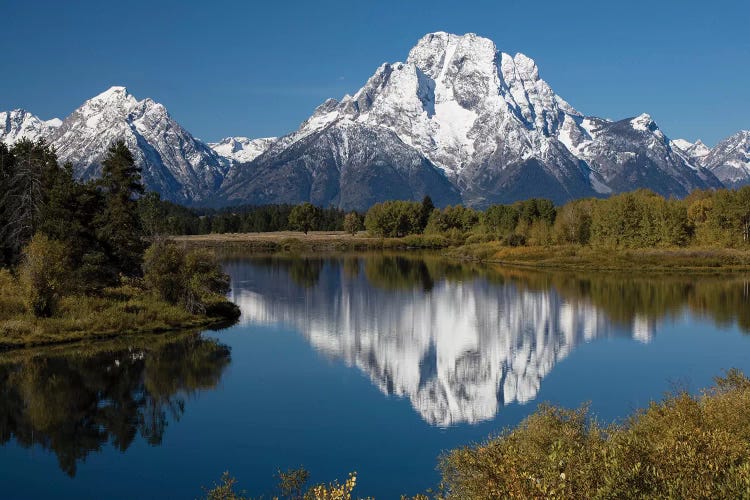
point(7, 170)
point(119, 225)
point(25, 171)
point(427, 207)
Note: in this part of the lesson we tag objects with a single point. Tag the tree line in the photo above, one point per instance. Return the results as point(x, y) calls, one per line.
point(162, 217)
point(638, 219)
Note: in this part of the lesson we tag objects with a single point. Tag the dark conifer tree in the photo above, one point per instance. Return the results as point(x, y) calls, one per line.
point(119, 225)
point(427, 207)
point(25, 191)
point(7, 170)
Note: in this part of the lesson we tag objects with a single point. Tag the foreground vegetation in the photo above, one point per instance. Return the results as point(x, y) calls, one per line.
point(684, 446)
point(74, 259)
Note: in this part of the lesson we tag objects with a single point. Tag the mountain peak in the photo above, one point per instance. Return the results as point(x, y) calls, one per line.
point(112, 93)
point(643, 122)
point(438, 54)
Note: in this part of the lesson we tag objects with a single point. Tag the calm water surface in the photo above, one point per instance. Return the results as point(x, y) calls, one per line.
point(374, 363)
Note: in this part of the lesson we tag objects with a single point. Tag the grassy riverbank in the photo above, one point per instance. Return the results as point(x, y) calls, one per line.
point(564, 257)
point(121, 311)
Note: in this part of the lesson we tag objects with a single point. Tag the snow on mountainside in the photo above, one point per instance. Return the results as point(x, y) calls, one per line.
point(696, 151)
point(730, 160)
point(634, 153)
point(20, 124)
point(242, 149)
point(345, 165)
point(496, 130)
point(174, 163)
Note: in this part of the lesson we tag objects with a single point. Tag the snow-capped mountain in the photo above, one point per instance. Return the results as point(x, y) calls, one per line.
point(174, 163)
point(487, 122)
point(634, 153)
point(20, 124)
point(458, 120)
point(730, 160)
point(242, 149)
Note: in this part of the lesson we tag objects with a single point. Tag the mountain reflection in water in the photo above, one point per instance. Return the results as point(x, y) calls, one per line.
point(76, 400)
point(460, 340)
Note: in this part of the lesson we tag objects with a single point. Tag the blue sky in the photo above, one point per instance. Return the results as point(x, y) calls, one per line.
point(260, 68)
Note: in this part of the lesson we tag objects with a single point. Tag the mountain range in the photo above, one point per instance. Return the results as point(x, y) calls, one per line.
point(458, 120)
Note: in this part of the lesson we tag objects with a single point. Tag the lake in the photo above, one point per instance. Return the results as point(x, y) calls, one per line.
point(374, 363)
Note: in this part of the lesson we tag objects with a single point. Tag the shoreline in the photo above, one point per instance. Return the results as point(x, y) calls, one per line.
point(72, 339)
point(696, 260)
point(118, 313)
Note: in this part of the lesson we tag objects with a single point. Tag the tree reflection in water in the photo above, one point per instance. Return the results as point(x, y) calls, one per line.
point(75, 401)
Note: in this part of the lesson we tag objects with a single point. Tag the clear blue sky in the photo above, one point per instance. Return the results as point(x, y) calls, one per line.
point(260, 68)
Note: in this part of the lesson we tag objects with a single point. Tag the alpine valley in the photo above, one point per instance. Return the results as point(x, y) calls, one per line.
point(458, 120)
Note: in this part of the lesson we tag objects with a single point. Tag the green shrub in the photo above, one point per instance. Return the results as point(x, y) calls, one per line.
point(205, 283)
point(44, 275)
point(11, 300)
point(193, 279)
point(163, 265)
point(515, 240)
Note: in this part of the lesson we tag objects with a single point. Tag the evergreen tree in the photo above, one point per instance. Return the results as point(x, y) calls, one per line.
point(25, 189)
point(427, 208)
point(119, 226)
point(7, 170)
